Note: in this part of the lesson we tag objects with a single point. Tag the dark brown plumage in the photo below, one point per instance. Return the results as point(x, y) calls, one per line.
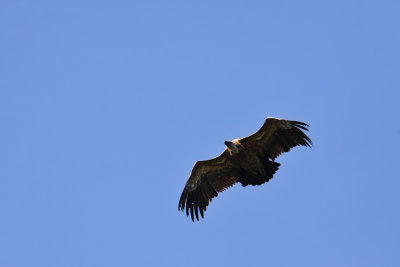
point(248, 160)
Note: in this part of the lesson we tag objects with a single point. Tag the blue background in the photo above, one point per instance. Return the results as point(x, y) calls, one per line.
point(106, 105)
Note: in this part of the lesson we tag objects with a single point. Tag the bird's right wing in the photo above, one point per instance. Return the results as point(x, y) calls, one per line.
point(208, 178)
point(277, 136)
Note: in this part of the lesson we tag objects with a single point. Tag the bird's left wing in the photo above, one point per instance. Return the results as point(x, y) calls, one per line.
point(208, 178)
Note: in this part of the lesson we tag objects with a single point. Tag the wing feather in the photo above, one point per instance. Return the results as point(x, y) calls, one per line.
point(277, 136)
point(208, 178)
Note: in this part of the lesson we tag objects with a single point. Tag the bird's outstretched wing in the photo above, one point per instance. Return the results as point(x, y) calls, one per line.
point(208, 178)
point(277, 136)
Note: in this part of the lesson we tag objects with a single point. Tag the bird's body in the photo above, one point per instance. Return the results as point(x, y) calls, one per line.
point(248, 160)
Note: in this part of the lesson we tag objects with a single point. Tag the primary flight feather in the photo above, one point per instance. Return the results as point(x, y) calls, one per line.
point(248, 160)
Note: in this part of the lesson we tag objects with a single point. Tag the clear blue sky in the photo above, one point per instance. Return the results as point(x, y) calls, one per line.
point(106, 105)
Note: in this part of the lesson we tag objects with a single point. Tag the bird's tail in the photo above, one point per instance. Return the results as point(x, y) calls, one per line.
point(270, 168)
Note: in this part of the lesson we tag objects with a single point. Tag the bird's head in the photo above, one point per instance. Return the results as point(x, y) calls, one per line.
point(232, 147)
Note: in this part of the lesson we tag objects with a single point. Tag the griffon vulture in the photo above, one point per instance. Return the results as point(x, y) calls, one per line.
point(248, 160)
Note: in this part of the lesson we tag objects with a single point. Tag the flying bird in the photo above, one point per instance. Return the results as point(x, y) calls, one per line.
point(249, 161)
